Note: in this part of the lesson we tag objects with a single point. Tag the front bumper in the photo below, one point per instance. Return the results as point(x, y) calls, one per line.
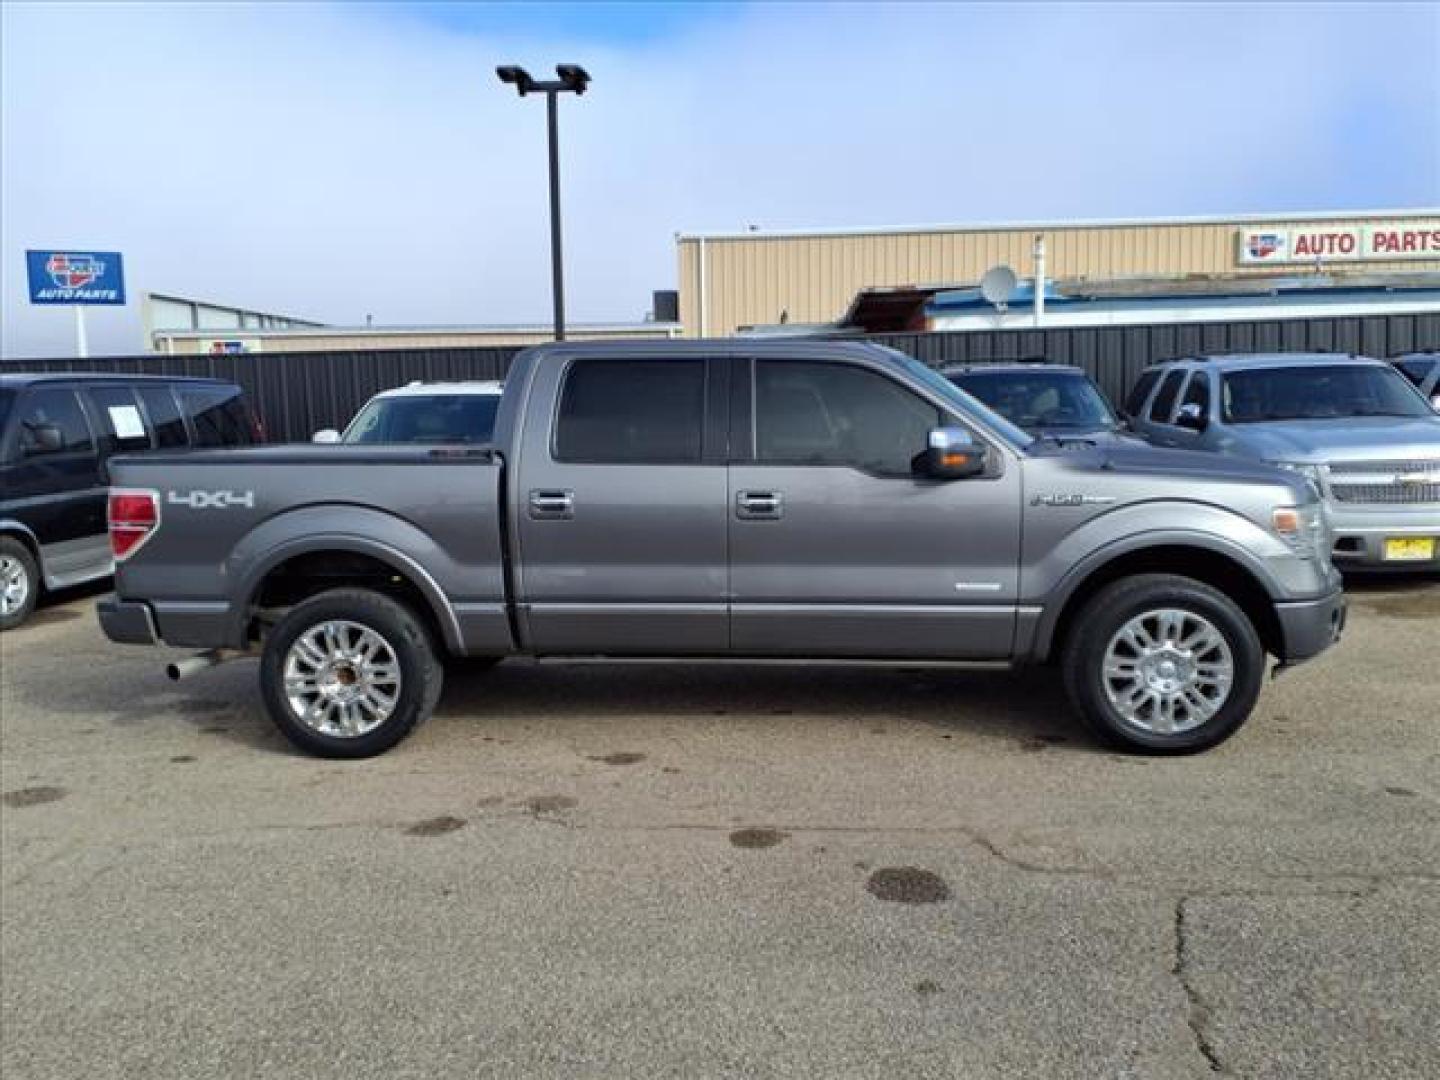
point(1309, 627)
point(127, 621)
point(1361, 532)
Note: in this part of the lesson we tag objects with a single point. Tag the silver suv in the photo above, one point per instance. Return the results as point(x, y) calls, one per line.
point(1356, 427)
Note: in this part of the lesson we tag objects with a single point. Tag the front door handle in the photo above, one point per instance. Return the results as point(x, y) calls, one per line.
point(550, 504)
point(759, 505)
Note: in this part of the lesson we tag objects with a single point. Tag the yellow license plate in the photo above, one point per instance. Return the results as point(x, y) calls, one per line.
point(1401, 548)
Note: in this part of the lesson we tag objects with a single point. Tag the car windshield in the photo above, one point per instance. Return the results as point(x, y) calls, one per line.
point(1320, 392)
point(961, 402)
point(425, 418)
point(1040, 399)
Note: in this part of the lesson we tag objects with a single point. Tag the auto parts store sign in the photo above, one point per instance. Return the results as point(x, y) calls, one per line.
point(1331, 243)
point(75, 277)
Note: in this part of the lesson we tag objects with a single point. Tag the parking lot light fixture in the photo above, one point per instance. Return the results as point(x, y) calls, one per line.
point(571, 79)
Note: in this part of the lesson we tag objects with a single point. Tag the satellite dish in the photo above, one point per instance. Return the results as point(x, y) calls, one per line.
point(998, 285)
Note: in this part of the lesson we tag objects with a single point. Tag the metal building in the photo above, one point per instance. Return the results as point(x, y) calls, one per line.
point(729, 281)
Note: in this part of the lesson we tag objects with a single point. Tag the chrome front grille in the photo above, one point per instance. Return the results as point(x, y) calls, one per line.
point(1385, 483)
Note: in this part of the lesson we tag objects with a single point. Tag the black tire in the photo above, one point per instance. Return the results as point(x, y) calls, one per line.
point(18, 557)
point(1101, 619)
point(420, 673)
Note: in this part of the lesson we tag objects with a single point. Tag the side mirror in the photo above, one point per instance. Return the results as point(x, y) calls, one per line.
point(327, 435)
point(44, 439)
point(953, 454)
point(1191, 416)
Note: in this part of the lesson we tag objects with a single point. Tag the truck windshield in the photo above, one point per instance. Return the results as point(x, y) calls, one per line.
point(1322, 392)
point(437, 418)
point(1040, 399)
point(963, 403)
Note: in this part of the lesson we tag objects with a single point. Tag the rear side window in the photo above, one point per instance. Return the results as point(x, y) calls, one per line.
point(1136, 401)
point(1198, 392)
point(51, 422)
point(122, 429)
point(630, 411)
point(165, 418)
point(838, 414)
point(1165, 398)
point(219, 415)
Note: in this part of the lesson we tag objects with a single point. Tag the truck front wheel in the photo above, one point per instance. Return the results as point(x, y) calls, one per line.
point(1163, 664)
point(348, 673)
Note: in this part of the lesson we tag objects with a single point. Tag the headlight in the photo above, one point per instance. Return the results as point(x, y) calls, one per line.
point(1314, 473)
point(1302, 528)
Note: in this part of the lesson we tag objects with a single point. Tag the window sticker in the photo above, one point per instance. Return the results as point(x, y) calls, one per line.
point(125, 419)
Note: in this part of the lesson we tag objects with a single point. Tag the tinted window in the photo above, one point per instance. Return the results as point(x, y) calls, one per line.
point(219, 415)
point(165, 418)
point(1040, 399)
point(1197, 392)
point(1165, 399)
point(1136, 399)
point(122, 429)
point(442, 418)
point(1322, 392)
point(7, 399)
point(51, 423)
point(623, 411)
point(837, 414)
point(1417, 368)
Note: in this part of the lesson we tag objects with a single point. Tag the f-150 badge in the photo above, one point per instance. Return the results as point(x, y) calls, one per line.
point(1072, 500)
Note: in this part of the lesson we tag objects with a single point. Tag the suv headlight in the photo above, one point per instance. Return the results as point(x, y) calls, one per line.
point(1303, 529)
point(1314, 473)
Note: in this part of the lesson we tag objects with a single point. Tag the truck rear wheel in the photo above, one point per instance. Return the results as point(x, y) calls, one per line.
point(1163, 664)
point(349, 673)
point(19, 582)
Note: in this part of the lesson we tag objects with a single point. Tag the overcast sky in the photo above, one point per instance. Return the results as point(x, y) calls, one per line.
point(333, 160)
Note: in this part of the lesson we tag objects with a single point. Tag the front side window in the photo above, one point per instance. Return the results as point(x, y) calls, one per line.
point(838, 414)
point(438, 418)
point(632, 411)
point(122, 429)
point(1319, 392)
point(1040, 399)
point(1165, 399)
point(1198, 392)
point(51, 422)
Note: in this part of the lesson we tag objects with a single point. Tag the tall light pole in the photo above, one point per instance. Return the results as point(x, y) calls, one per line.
point(573, 79)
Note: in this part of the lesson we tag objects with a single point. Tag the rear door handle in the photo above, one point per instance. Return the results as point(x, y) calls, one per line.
point(549, 504)
point(759, 505)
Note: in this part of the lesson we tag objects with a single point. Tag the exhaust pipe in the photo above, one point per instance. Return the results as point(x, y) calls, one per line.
point(192, 665)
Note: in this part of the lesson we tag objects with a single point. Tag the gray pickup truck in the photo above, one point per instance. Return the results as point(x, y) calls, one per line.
point(727, 500)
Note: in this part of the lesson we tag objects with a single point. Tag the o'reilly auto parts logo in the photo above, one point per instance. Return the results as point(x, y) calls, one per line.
point(211, 500)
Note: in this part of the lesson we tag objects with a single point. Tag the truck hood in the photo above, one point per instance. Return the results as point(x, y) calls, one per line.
point(1358, 438)
point(1203, 469)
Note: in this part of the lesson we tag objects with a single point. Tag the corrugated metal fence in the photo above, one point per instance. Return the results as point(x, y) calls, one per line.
point(296, 394)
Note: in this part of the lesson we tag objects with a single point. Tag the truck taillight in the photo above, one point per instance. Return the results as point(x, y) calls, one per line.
point(134, 517)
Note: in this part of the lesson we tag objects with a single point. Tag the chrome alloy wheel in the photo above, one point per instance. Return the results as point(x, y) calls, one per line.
point(14, 585)
point(1168, 671)
point(342, 679)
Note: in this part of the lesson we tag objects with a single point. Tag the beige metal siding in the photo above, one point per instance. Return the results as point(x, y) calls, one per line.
point(812, 278)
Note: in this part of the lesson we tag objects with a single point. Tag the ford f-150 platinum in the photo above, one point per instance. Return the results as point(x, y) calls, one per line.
point(727, 500)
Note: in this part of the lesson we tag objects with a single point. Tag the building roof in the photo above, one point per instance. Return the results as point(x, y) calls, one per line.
point(1055, 224)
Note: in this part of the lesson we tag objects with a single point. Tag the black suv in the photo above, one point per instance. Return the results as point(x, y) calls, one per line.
point(56, 434)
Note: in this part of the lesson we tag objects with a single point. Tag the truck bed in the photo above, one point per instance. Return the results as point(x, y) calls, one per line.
point(230, 517)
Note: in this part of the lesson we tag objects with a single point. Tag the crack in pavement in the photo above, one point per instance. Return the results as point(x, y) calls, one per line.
point(1197, 1017)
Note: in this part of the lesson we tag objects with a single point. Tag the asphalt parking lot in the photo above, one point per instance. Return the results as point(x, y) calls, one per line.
point(692, 871)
